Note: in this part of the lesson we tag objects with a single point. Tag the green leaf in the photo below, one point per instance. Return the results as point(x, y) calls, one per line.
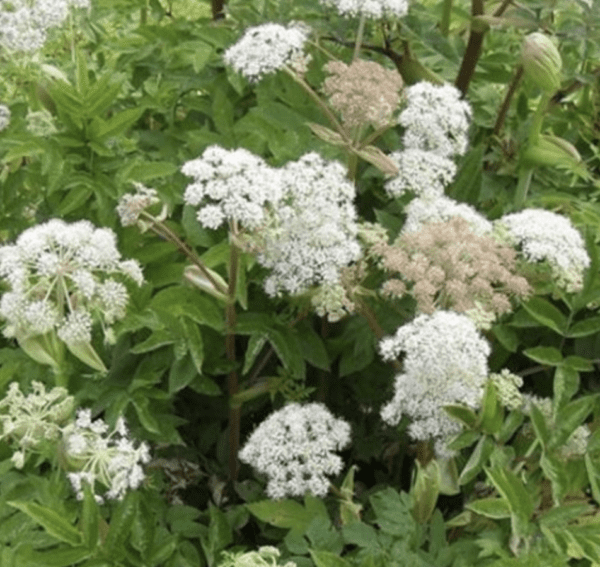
point(254, 348)
point(539, 426)
point(514, 492)
point(143, 529)
point(313, 347)
point(566, 385)
point(570, 417)
point(149, 170)
point(392, 512)
point(194, 343)
point(492, 414)
point(547, 314)
point(86, 353)
point(544, 355)
point(555, 470)
point(116, 125)
point(155, 341)
point(477, 459)
point(328, 559)
point(120, 525)
point(425, 490)
point(81, 79)
point(89, 519)
point(507, 337)
point(141, 404)
point(496, 508)
point(467, 183)
point(218, 537)
point(463, 414)
point(584, 328)
point(281, 513)
point(62, 557)
point(54, 524)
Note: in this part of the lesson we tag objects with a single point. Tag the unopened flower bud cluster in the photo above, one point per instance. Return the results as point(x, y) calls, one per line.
point(60, 280)
point(295, 449)
point(132, 205)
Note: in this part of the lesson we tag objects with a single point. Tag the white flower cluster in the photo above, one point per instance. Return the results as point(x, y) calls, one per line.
point(435, 119)
point(421, 172)
point(445, 363)
point(294, 447)
point(546, 236)
point(4, 117)
point(508, 387)
point(376, 9)
point(99, 456)
point(40, 123)
point(132, 205)
point(232, 185)
point(265, 556)
point(266, 49)
point(24, 24)
point(422, 211)
point(311, 232)
point(58, 275)
point(33, 420)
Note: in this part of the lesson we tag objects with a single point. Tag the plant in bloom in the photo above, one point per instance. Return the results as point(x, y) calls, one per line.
point(60, 281)
point(294, 448)
point(4, 117)
point(95, 455)
point(435, 119)
point(132, 205)
point(375, 9)
point(445, 363)
point(230, 185)
point(24, 24)
point(34, 420)
point(545, 236)
point(363, 92)
point(265, 49)
point(423, 173)
point(265, 556)
point(310, 233)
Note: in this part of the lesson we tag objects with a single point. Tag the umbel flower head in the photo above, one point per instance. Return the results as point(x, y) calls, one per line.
point(265, 556)
point(60, 282)
point(363, 92)
point(95, 455)
point(435, 119)
point(545, 236)
point(310, 233)
point(445, 363)
point(132, 205)
point(230, 185)
point(4, 117)
point(24, 24)
point(294, 447)
point(375, 9)
point(265, 49)
point(34, 420)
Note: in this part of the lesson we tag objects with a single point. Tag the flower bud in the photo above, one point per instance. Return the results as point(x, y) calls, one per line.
point(541, 61)
point(552, 151)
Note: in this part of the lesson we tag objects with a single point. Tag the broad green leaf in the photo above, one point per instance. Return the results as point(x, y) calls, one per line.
point(584, 328)
point(544, 355)
point(496, 508)
point(116, 125)
point(51, 521)
point(142, 408)
point(579, 363)
point(120, 524)
point(555, 470)
point(425, 490)
point(507, 337)
point(86, 353)
point(281, 513)
point(254, 348)
point(539, 426)
point(61, 557)
point(477, 459)
point(149, 170)
point(571, 416)
point(593, 471)
point(328, 559)
point(313, 347)
point(463, 414)
point(89, 519)
point(392, 512)
point(194, 343)
point(361, 534)
point(82, 79)
point(162, 551)
point(467, 183)
point(516, 495)
point(566, 385)
point(349, 510)
point(156, 340)
point(219, 534)
point(547, 314)
point(102, 94)
point(492, 413)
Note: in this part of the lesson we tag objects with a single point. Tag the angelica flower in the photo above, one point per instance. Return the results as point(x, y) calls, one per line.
point(59, 279)
point(445, 363)
point(265, 49)
point(35, 419)
point(131, 206)
point(294, 447)
point(310, 233)
point(97, 455)
point(423, 173)
point(230, 185)
point(435, 119)
point(4, 117)
point(376, 9)
point(545, 236)
point(266, 556)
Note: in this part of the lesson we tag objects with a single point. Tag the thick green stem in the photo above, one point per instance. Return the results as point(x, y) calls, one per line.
point(525, 174)
point(232, 378)
point(445, 19)
point(359, 37)
point(248, 394)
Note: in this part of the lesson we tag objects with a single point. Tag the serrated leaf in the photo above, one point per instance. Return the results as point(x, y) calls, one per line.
point(149, 170)
point(514, 492)
point(327, 559)
point(477, 459)
point(566, 385)
point(496, 508)
point(155, 341)
point(255, 346)
point(392, 512)
point(120, 524)
point(51, 521)
point(547, 314)
point(142, 409)
point(62, 557)
point(116, 125)
point(281, 513)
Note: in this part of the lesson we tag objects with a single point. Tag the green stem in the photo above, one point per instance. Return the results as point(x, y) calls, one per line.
point(500, 119)
point(445, 19)
point(525, 174)
point(538, 118)
point(232, 377)
point(255, 391)
point(359, 37)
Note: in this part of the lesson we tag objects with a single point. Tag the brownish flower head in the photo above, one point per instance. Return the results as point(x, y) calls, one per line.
point(363, 92)
point(447, 266)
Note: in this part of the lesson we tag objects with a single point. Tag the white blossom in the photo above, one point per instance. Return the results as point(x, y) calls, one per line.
point(131, 205)
point(33, 420)
point(311, 232)
point(96, 455)
point(266, 49)
point(445, 363)
point(230, 185)
point(435, 119)
point(421, 211)
point(545, 236)
point(294, 447)
point(59, 279)
point(376, 9)
point(423, 173)
point(4, 117)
